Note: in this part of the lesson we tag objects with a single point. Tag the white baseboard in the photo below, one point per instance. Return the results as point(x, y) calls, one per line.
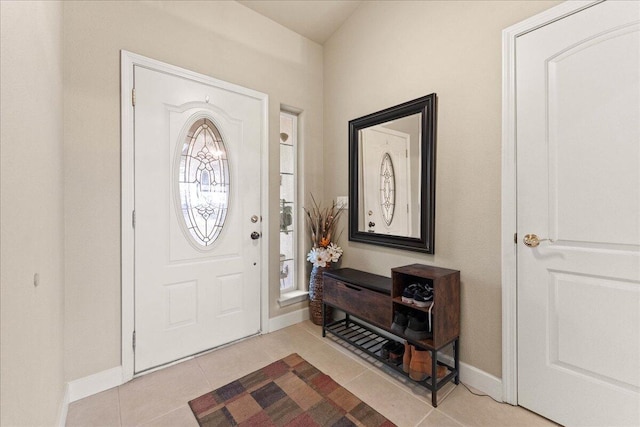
point(64, 407)
point(93, 384)
point(478, 379)
point(482, 381)
point(101, 381)
point(288, 319)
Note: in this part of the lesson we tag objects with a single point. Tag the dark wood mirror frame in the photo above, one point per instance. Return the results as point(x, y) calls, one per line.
point(426, 106)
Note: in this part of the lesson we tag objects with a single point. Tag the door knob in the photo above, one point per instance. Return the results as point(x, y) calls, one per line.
point(255, 235)
point(533, 241)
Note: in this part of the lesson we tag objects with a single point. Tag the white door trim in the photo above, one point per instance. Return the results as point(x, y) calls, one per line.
point(127, 62)
point(509, 196)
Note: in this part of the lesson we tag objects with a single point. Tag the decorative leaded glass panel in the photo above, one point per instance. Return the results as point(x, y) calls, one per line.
point(387, 189)
point(203, 182)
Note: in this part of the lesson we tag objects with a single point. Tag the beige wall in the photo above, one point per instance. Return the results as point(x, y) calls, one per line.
point(32, 225)
point(391, 52)
point(387, 53)
point(221, 39)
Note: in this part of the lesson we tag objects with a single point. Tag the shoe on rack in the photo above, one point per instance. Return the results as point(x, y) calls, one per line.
point(409, 292)
point(420, 367)
point(423, 297)
point(406, 359)
point(400, 322)
point(418, 327)
point(386, 349)
point(396, 353)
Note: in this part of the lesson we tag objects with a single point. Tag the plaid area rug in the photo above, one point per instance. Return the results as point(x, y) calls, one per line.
point(289, 392)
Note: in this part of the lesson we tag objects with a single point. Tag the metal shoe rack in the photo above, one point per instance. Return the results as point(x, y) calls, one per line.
point(370, 344)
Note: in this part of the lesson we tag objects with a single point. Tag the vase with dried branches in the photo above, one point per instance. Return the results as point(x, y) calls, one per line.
point(321, 225)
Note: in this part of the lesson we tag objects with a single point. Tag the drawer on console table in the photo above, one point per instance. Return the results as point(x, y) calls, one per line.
point(370, 306)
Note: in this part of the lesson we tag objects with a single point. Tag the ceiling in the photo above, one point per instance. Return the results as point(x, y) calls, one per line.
point(314, 19)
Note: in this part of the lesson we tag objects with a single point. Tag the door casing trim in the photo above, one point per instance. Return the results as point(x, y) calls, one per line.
point(509, 187)
point(127, 61)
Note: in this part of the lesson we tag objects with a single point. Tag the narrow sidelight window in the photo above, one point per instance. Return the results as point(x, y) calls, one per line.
point(288, 202)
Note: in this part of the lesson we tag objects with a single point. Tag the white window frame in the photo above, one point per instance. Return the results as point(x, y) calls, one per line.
point(298, 292)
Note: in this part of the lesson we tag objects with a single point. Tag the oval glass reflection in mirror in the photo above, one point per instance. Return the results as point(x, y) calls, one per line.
point(203, 182)
point(387, 189)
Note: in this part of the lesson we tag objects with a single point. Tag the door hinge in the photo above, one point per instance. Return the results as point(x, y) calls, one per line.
point(515, 238)
point(133, 340)
point(133, 97)
point(133, 219)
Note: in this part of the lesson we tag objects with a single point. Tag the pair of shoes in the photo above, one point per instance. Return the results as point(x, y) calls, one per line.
point(419, 294)
point(418, 363)
point(392, 351)
point(414, 324)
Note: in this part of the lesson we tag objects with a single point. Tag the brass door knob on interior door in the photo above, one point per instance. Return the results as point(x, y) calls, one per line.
point(533, 241)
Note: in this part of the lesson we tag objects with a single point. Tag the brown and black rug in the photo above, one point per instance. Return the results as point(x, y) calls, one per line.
point(289, 392)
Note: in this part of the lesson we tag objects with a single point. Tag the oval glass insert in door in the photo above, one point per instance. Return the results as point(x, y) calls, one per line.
point(203, 182)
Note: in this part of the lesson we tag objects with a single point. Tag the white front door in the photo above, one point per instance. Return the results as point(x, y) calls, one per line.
point(385, 170)
point(578, 184)
point(197, 203)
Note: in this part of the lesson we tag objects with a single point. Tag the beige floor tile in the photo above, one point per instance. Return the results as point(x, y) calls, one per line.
point(102, 409)
point(438, 419)
point(289, 340)
point(182, 417)
point(472, 410)
point(311, 327)
point(418, 390)
point(390, 400)
point(161, 392)
point(230, 363)
point(342, 367)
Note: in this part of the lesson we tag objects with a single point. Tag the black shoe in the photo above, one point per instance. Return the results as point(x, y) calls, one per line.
point(386, 348)
point(400, 322)
point(396, 353)
point(409, 292)
point(418, 327)
point(423, 297)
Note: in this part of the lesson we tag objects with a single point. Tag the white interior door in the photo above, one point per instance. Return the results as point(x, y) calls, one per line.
point(197, 187)
point(578, 183)
point(386, 183)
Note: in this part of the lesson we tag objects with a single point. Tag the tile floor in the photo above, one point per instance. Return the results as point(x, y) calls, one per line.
point(160, 398)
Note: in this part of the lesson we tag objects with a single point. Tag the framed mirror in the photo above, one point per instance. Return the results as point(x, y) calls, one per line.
point(392, 176)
